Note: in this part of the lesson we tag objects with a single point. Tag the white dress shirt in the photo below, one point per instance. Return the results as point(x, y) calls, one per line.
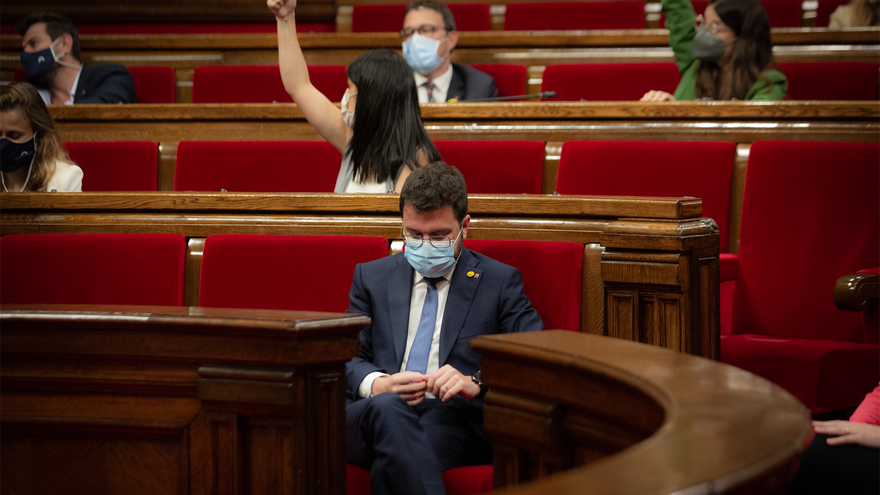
point(416, 302)
point(441, 86)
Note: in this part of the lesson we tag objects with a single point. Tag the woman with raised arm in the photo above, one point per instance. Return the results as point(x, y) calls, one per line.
point(379, 129)
point(723, 54)
point(32, 158)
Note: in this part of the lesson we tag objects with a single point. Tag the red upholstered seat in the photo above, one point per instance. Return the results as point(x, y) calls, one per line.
point(831, 80)
point(292, 272)
point(256, 166)
point(510, 79)
point(153, 84)
point(652, 168)
point(609, 82)
point(116, 166)
point(468, 480)
point(811, 213)
point(699, 7)
point(261, 83)
point(301, 27)
point(388, 18)
point(825, 9)
point(783, 13)
point(143, 269)
point(556, 16)
point(552, 274)
point(496, 167)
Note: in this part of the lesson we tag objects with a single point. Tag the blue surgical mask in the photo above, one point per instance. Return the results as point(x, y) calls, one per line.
point(431, 261)
point(14, 155)
point(420, 53)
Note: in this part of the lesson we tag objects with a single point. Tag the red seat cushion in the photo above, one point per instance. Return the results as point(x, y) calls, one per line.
point(143, 269)
point(497, 167)
point(153, 84)
point(825, 375)
point(256, 166)
point(116, 166)
point(471, 16)
point(652, 168)
point(261, 83)
point(609, 82)
point(468, 480)
point(569, 16)
point(783, 13)
point(388, 18)
point(292, 272)
point(831, 80)
point(699, 7)
point(510, 79)
point(301, 27)
point(552, 275)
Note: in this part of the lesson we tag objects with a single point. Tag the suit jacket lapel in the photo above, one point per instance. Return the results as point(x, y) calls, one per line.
point(456, 86)
point(399, 294)
point(84, 76)
point(458, 302)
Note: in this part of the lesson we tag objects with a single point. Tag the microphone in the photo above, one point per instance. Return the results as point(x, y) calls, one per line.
point(543, 94)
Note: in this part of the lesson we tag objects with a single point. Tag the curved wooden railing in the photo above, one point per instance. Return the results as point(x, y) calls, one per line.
point(616, 417)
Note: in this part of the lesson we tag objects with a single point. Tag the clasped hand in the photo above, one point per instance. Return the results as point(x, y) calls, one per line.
point(412, 386)
point(281, 8)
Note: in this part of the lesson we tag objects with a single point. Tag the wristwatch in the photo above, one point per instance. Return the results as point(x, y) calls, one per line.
point(476, 378)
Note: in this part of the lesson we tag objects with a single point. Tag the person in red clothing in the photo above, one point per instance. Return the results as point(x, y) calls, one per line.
point(845, 455)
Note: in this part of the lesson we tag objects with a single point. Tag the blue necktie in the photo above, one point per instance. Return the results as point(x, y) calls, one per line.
point(421, 346)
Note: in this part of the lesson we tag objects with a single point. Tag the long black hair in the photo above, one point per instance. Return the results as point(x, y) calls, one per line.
point(751, 53)
point(388, 129)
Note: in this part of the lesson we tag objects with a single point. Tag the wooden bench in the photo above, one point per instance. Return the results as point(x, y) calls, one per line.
point(184, 52)
point(551, 123)
point(652, 262)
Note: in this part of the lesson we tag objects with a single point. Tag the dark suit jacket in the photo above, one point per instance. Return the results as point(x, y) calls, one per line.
point(109, 83)
point(469, 84)
point(492, 302)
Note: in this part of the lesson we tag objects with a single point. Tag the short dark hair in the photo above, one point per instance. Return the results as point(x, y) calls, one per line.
point(435, 186)
point(439, 7)
point(56, 25)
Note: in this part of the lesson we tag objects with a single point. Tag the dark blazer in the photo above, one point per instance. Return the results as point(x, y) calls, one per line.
point(109, 83)
point(469, 84)
point(490, 302)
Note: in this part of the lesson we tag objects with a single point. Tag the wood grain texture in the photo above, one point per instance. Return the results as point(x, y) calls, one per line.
point(685, 423)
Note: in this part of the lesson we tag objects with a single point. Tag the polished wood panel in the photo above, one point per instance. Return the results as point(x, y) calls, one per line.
point(140, 399)
point(660, 422)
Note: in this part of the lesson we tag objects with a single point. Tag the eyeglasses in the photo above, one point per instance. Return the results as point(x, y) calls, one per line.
point(438, 241)
point(714, 27)
point(424, 30)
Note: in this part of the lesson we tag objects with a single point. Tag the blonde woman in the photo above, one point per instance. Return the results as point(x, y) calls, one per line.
point(31, 156)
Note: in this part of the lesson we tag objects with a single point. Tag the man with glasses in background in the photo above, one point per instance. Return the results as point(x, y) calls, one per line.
point(414, 405)
point(429, 36)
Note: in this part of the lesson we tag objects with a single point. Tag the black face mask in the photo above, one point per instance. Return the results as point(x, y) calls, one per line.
point(13, 155)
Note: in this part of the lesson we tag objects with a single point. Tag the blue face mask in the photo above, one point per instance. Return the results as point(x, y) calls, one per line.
point(431, 261)
point(14, 155)
point(420, 53)
point(36, 64)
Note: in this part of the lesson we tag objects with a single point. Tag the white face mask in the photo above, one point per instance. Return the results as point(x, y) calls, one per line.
point(347, 115)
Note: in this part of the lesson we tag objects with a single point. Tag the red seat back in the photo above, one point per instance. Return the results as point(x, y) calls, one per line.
point(292, 272)
point(153, 84)
point(256, 166)
point(510, 79)
point(116, 166)
point(388, 18)
point(652, 168)
point(567, 16)
point(268, 27)
point(144, 269)
point(811, 214)
point(783, 13)
point(261, 83)
point(496, 167)
point(552, 274)
point(831, 80)
point(699, 7)
point(609, 82)
point(825, 9)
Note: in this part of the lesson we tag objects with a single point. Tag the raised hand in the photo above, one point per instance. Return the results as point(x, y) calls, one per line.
point(281, 8)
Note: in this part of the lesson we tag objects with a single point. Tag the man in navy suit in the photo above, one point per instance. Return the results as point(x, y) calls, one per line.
point(414, 407)
point(429, 36)
point(52, 62)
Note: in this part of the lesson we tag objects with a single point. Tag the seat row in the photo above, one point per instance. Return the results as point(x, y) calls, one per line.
point(571, 82)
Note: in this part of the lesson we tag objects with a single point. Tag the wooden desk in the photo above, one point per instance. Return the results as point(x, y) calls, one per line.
point(184, 52)
point(625, 418)
point(142, 399)
point(652, 262)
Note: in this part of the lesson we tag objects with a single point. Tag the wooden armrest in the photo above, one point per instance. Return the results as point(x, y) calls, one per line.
point(855, 292)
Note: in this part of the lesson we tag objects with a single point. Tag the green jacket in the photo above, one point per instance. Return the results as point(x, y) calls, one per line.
point(680, 22)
